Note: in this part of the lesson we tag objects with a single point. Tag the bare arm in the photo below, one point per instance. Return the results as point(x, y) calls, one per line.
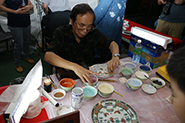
point(45, 6)
point(27, 8)
point(161, 2)
point(80, 71)
point(114, 62)
point(18, 11)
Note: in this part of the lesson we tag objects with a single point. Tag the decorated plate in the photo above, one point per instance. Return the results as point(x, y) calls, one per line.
point(112, 110)
point(101, 69)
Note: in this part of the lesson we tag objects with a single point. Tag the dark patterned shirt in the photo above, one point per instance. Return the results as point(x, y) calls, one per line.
point(65, 45)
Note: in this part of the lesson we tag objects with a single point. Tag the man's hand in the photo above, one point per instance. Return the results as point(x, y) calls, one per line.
point(83, 73)
point(113, 64)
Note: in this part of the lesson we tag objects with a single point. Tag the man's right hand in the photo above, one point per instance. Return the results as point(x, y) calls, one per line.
point(83, 73)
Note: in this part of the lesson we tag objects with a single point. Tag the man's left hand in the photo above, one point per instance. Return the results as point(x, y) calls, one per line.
point(113, 64)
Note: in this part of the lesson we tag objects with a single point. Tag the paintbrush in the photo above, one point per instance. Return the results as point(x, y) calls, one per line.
point(106, 80)
point(53, 84)
point(118, 94)
point(111, 73)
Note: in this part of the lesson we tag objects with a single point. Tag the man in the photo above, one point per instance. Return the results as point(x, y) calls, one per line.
point(172, 19)
point(176, 71)
point(75, 43)
point(57, 14)
point(19, 23)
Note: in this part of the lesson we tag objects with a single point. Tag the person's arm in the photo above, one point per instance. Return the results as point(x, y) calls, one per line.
point(45, 6)
point(114, 62)
point(179, 2)
point(8, 10)
point(80, 71)
point(161, 2)
point(27, 8)
point(22, 10)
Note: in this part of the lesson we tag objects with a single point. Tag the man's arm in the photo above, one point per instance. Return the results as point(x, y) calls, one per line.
point(114, 62)
point(161, 2)
point(80, 71)
point(45, 6)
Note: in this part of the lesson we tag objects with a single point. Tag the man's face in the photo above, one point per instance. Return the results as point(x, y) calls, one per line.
point(83, 24)
point(178, 101)
point(179, 1)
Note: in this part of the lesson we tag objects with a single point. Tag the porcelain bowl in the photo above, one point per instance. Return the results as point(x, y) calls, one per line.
point(134, 83)
point(67, 84)
point(126, 72)
point(131, 87)
point(130, 65)
point(105, 89)
point(58, 94)
point(94, 79)
point(89, 92)
point(141, 75)
point(153, 79)
point(145, 68)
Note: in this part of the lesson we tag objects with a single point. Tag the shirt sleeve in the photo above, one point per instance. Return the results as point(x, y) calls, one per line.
point(101, 10)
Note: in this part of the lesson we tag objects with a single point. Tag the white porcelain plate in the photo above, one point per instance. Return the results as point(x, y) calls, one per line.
point(149, 89)
point(101, 69)
point(113, 111)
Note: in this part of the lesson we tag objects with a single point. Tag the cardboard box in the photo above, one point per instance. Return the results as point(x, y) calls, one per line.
point(151, 52)
point(163, 74)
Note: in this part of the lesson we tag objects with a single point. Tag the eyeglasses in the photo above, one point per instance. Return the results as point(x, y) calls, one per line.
point(84, 27)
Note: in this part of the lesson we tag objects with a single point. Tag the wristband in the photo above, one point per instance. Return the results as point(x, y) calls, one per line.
point(116, 54)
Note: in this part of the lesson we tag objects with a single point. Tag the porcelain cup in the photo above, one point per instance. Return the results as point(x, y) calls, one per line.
point(77, 97)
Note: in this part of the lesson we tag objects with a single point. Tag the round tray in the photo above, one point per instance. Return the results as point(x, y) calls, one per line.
point(112, 110)
point(101, 69)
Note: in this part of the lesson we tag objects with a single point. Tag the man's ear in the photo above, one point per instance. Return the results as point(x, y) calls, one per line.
point(71, 21)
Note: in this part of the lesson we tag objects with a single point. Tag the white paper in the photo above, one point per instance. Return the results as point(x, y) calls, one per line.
point(23, 94)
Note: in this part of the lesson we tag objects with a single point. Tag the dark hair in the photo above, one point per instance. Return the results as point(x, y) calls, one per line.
point(176, 68)
point(81, 9)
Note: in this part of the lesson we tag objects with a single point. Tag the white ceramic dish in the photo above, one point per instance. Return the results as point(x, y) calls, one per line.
point(105, 96)
point(122, 80)
point(101, 69)
point(134, 83)
point(67, 84)
point(58, 94)
point(126, 72)
point(106, 89)
point(129, 65)
point(64, 109)
point(156, 85)
point(94, 79)
point(134, 89)
point(89, 92)
point(145, 68)
point(149, 89)
point(141, 75)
